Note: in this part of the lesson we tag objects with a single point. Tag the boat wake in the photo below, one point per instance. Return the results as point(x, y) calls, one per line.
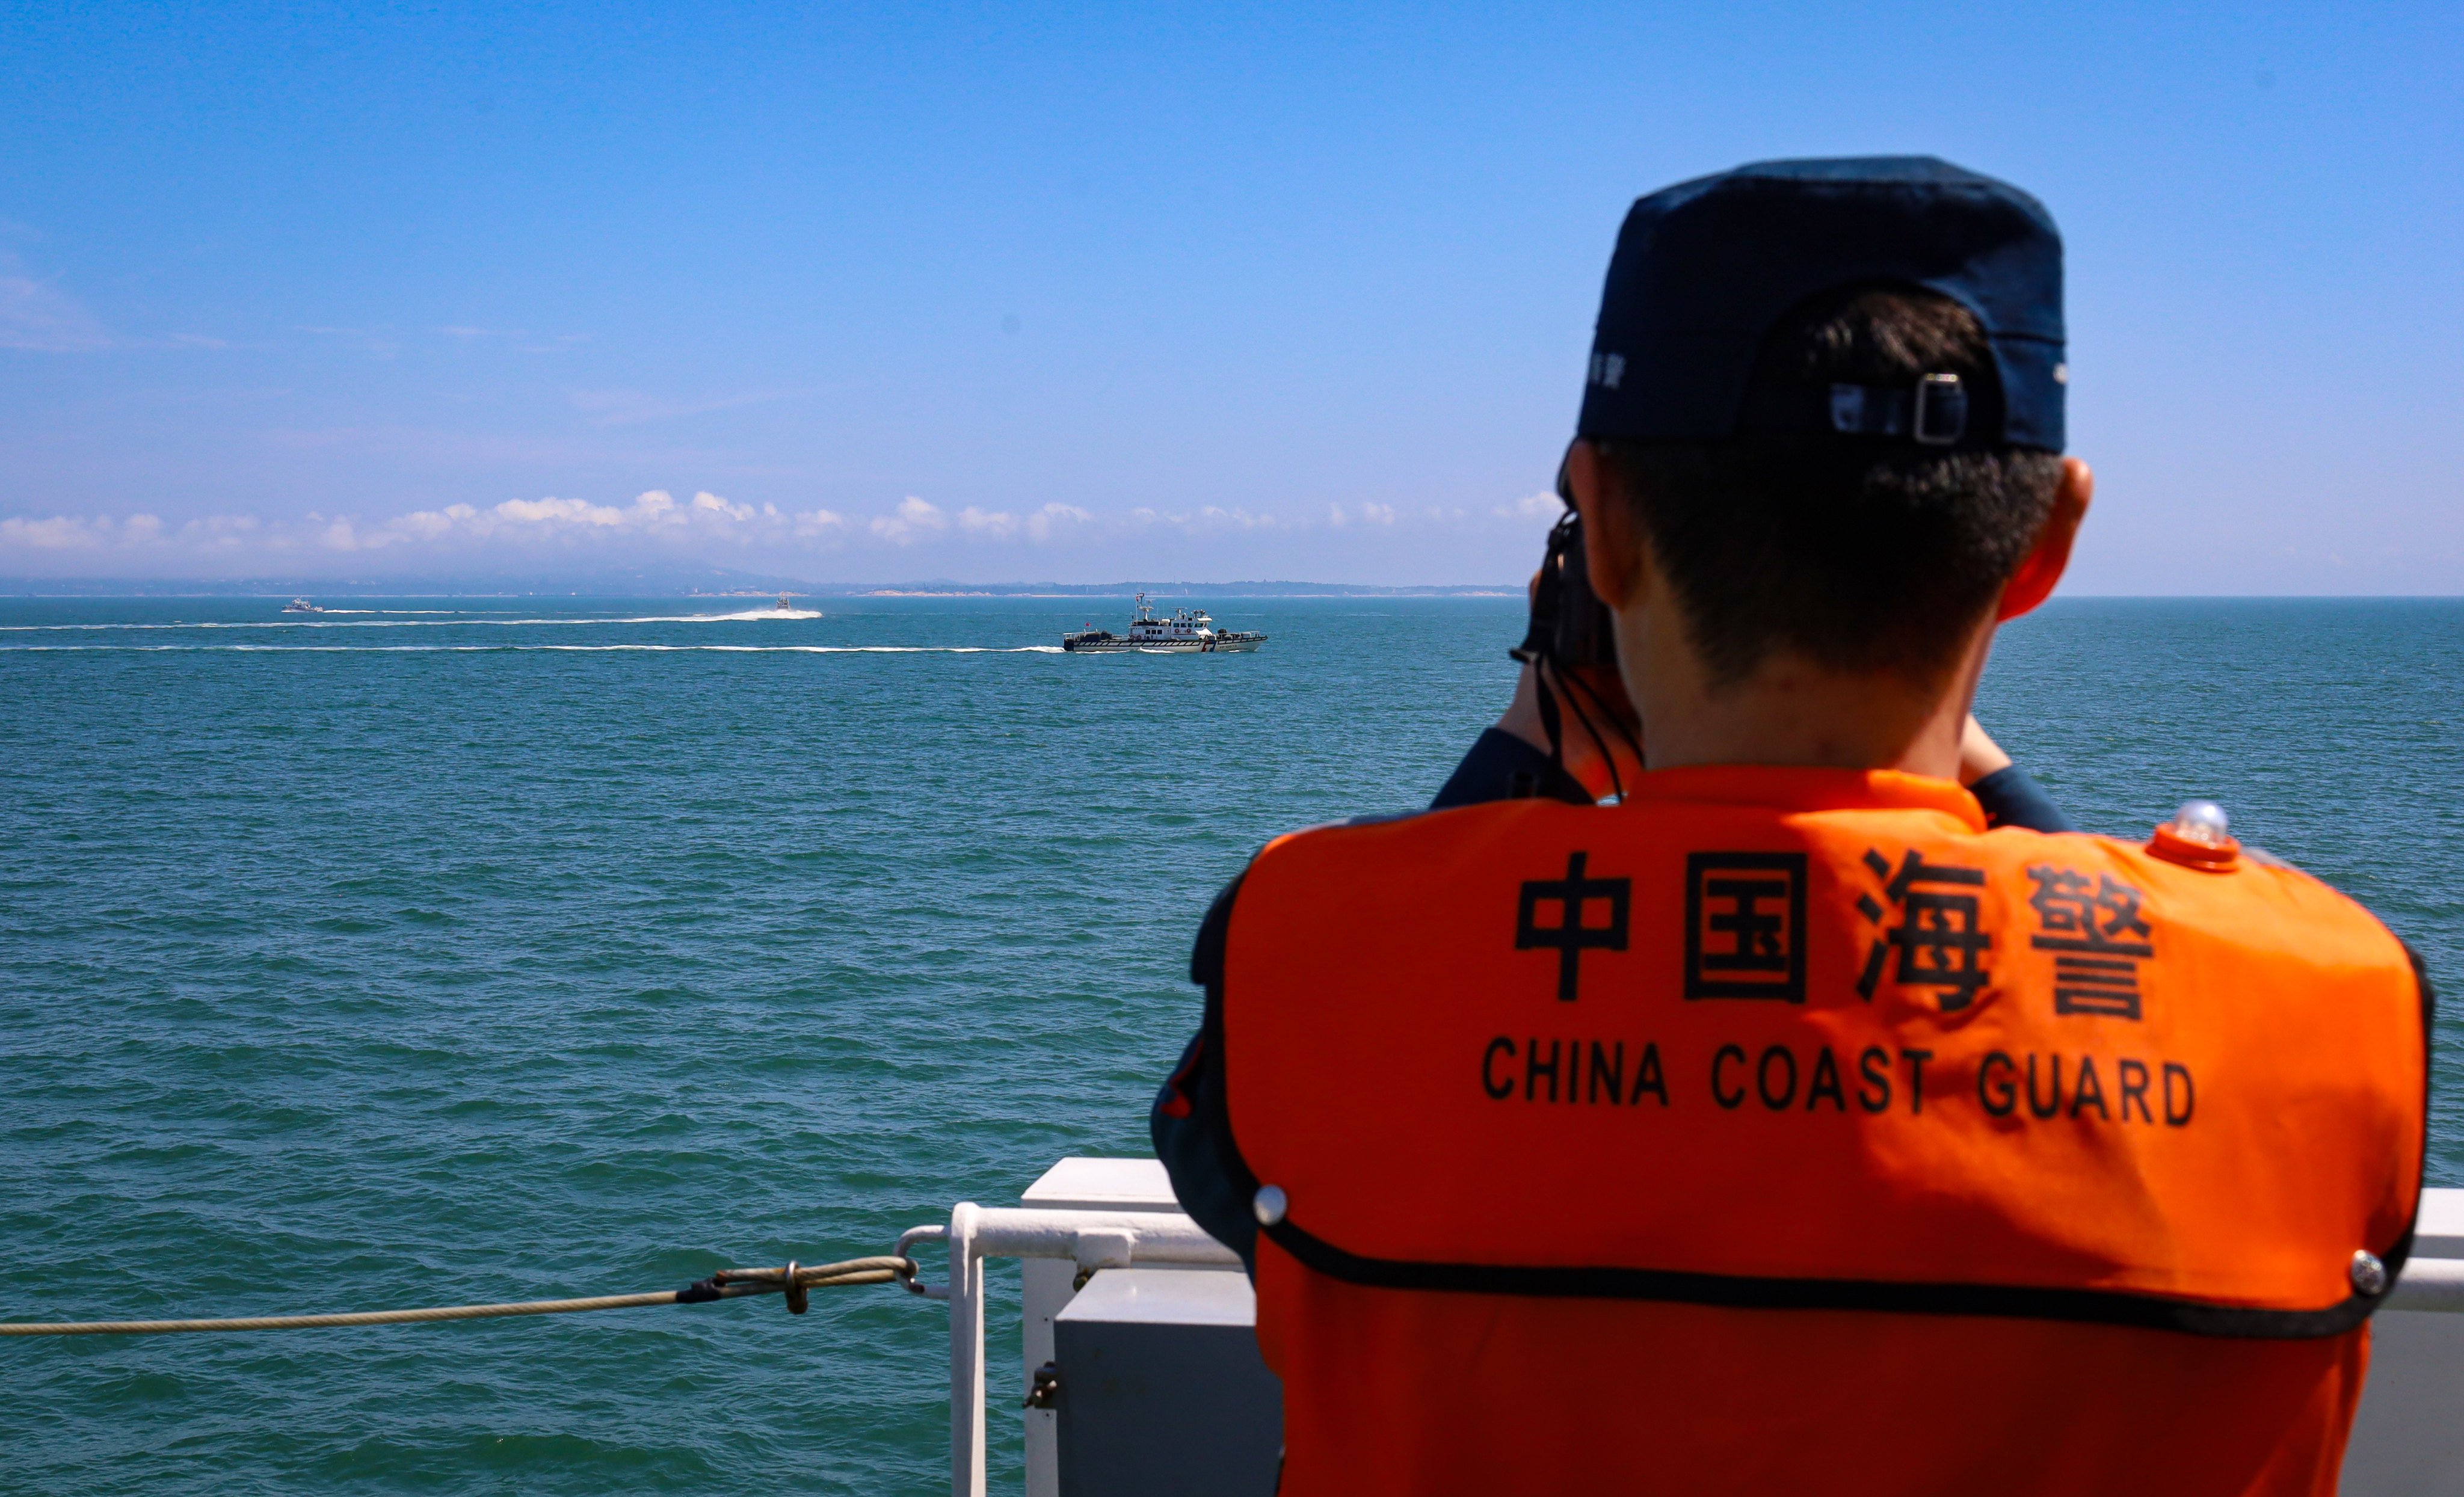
point(731, 618)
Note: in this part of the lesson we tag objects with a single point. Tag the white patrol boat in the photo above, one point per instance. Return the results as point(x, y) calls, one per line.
point(1188, 631)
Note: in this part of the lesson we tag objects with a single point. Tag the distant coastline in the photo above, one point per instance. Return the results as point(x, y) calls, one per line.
point(685, 581)
point(1178, 590)
point(705, 585)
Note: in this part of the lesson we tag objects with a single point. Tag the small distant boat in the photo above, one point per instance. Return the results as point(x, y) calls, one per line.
point(300, 606)
point(1185, 632)
point(782, 606)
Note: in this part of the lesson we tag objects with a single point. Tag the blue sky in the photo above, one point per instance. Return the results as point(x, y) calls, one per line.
point(1082, 293)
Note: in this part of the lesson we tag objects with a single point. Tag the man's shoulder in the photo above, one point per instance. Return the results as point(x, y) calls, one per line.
point(1434, 820)
point(1302, 845)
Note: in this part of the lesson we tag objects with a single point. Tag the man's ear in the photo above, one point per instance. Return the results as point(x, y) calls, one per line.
point(2033, 582)
point(1612, 556)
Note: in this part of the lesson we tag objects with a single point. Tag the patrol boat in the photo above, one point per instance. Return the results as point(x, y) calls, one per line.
point(300, 606)
point(1188, 631)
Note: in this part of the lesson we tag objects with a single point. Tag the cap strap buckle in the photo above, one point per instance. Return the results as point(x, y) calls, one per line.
point(1942, 410)
point(1935, 415)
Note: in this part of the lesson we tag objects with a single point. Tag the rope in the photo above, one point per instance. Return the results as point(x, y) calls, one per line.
point(727, 1284)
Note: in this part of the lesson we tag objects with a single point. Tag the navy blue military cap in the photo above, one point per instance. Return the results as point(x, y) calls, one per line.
point(1702, 269)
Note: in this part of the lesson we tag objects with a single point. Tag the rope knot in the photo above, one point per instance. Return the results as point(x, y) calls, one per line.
point(798, 1301)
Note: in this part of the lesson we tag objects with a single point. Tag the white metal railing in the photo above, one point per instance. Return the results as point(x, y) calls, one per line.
point(1123, 1239)
point(1090, 1239)
point(2433, 1283)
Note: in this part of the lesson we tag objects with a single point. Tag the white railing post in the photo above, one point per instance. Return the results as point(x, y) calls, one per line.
point(1090, 1239)
point(966, 1354)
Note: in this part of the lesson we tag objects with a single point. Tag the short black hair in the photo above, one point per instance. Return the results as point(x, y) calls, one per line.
point(1868, 554)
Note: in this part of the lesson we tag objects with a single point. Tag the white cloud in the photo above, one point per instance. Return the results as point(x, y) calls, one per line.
point(914, 517)
point(654, 512)
point(710, 504)
point(655, 518)
point(650, 508)
point(436, 524)
point(1003, 525)
point(1211, 518)
point(78, 533)
point(1041, 524)
point(37, 316)
point(707, 524)
point(60, 533)
point(221, 534)
point(42, 318)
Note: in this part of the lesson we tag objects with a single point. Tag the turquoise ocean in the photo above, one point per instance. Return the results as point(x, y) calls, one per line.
point(447, 950)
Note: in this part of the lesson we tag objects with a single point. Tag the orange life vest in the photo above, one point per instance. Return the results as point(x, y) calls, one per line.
point(1787, 1130)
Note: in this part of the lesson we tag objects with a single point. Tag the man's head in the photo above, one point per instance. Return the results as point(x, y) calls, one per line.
point(1821, 435)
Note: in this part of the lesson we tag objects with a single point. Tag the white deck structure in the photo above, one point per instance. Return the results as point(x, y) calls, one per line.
point(1087, 1214)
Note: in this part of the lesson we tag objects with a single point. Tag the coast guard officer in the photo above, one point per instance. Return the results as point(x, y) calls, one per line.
point(1801, 1124)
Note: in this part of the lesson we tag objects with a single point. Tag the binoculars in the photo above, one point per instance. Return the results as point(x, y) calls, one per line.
point(1571, 627)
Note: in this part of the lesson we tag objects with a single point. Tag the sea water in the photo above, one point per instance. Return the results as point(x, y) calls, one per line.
point(446, 950)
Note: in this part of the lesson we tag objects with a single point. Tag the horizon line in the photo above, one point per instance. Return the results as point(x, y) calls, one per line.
point(427, 588)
